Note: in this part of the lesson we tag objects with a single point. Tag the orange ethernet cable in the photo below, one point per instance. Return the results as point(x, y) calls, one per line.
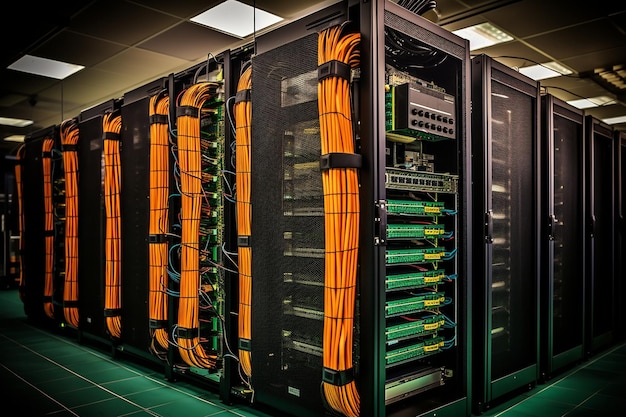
point(159, 219)
point(111, 128)
point(19, 183)
point(69, 140)
point(189, 110)
point(338, 53)
point(46, 160)
point(243, 115)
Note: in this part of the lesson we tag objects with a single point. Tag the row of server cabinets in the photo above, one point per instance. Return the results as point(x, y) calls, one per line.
point(304, 225)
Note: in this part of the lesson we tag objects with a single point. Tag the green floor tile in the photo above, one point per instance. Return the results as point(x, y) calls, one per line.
point(131, 385)
point(107, 408)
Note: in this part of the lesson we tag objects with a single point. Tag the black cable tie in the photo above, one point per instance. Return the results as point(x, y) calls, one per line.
point(188, 111)
point(158, 324)
point(333, 68)
point(337, 378)
point(245, 344)
point(47, 298)
point(160, 238)
point(111, 136)
point(48, 233)
point(243, 241)
point(70, 148)
point(243, 95)
point(70, 304)
point(46, 154)
point(186, 333)
point(112, 312)
point(340, 160)
point(160, 119)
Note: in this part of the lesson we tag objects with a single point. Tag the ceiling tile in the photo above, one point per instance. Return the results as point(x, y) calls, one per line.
point(77, 49)
point(126, 23)
point(189, 41)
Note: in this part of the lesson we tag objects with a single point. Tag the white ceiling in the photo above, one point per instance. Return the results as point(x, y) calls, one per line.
point(125, 44)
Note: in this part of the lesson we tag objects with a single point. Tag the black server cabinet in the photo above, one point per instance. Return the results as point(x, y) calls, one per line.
point(200, 261)
point(505, 145)
point(40, 290)
point(135, 216)
point(91, 222)
point(600, 235)
point(412, 313)
point(620, 245)
point(562, 238)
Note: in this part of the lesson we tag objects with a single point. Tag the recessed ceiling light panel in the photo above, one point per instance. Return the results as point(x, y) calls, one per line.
point(236, 19)
point(45, 67)
point(545, 70)
point(586, 103)
point(483, 35)
point(9, 121)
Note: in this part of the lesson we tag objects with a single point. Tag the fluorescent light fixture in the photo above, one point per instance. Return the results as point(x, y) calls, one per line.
point(235, 18)
point(615, 120)
point(45, 67)
point(483, 35)
point(14, 138)
point(9, 121)
point(546, 70)
point(586, 103)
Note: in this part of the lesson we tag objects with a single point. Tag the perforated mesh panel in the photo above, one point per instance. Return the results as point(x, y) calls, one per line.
point(287, 227)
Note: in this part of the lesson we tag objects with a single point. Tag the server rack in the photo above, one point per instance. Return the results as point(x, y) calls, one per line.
point(600, 235)
point(9, 275)
point(135, 216)
point(91, 224)
point(505, 144)
point(414, 196)
point(563, 243)
point(620, 244)
point(40, 286)
point(199, 263)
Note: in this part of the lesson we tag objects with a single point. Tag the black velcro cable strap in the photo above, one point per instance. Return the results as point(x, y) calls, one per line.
point(245, 344)
point(48, 233)
point(70, 148)
point(190, 111)
point(243, 241)
point(70, 304)
point(340, 160)
point(243, 95)
point(158, 324)
point(333, 68)
point(158, 119)
point(337, 378)
point(46, 154)
point(111, 136)
point(112, 312)
point(160, 238)
point(186, 333)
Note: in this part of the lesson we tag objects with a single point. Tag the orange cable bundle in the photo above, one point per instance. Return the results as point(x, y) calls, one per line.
point(69, 140)
point(159, 193)
point(243, 116)
point(46, 159)
point(341, 219)
point(111, 128)
point(190, 162)
point(20, 214)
